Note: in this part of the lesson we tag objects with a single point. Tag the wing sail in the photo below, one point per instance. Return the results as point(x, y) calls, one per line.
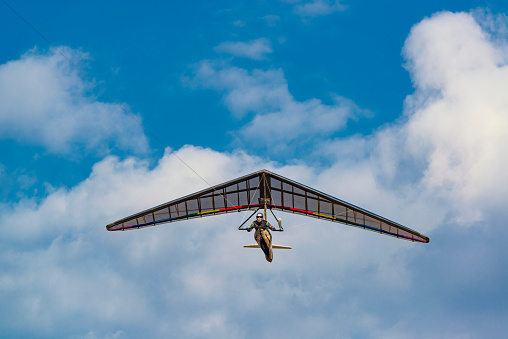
point(290, 196)
point(255, 190)
point(233, 196)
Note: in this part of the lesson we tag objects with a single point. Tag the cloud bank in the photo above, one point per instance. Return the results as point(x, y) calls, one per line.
point(60, 264)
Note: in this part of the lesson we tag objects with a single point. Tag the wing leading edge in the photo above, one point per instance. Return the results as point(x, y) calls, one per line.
point(251, 192)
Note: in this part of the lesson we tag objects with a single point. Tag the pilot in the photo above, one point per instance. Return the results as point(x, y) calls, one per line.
point(262, 232)
point(259, 223)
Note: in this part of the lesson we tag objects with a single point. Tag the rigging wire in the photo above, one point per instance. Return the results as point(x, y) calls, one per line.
point(271, 197)
point(250, 203)
point(107, 95)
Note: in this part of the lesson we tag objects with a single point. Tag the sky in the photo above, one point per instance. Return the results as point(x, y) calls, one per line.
point(394, 106)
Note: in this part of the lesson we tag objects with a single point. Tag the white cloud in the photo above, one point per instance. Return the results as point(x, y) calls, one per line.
point(44, 101)
point(299, 121)
point(450, 145)
point(254, 49)
point(259, 91)
point(458, 115)
point(279, 120)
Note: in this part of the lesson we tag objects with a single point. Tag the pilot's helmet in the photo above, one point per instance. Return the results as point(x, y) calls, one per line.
point(259, 215)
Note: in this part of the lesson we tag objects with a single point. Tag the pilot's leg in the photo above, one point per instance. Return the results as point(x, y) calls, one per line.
point(268, 241)
point(257, 236)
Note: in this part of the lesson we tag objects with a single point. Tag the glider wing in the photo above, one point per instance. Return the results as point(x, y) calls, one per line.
point(253, 191)
point(290, 196)
point(233, 196)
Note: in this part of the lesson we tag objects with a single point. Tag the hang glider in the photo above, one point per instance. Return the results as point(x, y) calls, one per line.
point(264, 189)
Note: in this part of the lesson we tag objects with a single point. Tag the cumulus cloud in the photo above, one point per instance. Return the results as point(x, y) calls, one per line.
point(264, 95)
point(450, 143)
point(64, 274)
point(44, 101)
point(189, 279)
point(254, 49)
point(244, 92)
point(458, 115)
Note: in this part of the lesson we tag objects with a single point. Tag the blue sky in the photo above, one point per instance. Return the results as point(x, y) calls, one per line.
point(393, 106)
